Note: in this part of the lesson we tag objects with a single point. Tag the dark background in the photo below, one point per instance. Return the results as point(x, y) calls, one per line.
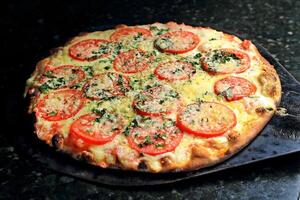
point(33, 27)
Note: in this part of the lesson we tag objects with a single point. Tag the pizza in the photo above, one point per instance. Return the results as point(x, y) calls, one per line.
point(156, 97)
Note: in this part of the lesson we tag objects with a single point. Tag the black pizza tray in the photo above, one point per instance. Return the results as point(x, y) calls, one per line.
point(280, 137)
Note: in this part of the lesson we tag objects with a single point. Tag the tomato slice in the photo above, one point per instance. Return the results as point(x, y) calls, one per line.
point(89, 50)
point(174, 70)
point(154, 136)
point(177, 42)
point(62, 76)
point(206, 119)
point(225, 61)
point(156, 101)
point(60, 105)
point(246, 44)
point(97, 129)
point(234, 88)
point(132, 61)
point(106, 86)
point(123, 33)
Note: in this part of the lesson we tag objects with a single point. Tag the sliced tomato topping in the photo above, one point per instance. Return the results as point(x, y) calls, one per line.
point(97, 129)
point(62, 76)
point(132, 61)
point(124, 33)
point(177, 42)
point(206, 119)
point(106, 86)
point(60, 105)
point(174, 70)
point(89, 50)
point(234, 88)
point(154, 136)
point(225, 61)
point(246, 44)
point(156, 101)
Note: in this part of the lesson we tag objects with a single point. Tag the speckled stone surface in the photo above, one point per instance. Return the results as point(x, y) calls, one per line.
point(42, 26)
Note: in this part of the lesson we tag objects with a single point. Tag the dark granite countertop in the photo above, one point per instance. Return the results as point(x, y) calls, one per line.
point(31, 28)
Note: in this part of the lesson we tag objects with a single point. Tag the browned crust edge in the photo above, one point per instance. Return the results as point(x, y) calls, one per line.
point(269, 69)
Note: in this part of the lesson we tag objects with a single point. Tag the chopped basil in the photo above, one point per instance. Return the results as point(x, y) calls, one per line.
point(160, 136)
point(99, 112)
point(89, 70)
point(49, 74)
point(53, 83)
point(138, 37)
point(157, 59)
point(199, 101)
point(221, 57)
point(164, 43)
point(227, 93)
point(118, 47)
point(135, 84)
point(155, 52)
point(198, 55)
point(103, 49)
point(177, 71)
point(107, 67)
point(159, 145)
point(76, 86)
point(52, 113)
point(194, 61)
point(148, 87)
point(173, 94)
point(98, 119)
point(120, 82)
point(147, 141)
point(161, 101)
point(211, 39)
point(103, 61)
point(126, 131)
point(102, 114)
point(134, 123)
point(158, 31)
point(44, 88)
point(151, 76)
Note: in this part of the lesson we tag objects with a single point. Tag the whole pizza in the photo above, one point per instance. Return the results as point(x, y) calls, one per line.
point(156, 97)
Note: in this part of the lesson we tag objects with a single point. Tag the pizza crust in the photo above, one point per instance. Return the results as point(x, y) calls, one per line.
point(196, 155)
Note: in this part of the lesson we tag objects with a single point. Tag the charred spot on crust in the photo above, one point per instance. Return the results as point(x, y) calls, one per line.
point(273, 91)
point(233, 136)
point(142, 165)
point(86, 156)
point(260, 110)
point(165, 161)
point(58, 141)
point(199, 151)
point(268, 82)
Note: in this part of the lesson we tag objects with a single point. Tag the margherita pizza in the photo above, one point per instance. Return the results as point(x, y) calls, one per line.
point(157, 97)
